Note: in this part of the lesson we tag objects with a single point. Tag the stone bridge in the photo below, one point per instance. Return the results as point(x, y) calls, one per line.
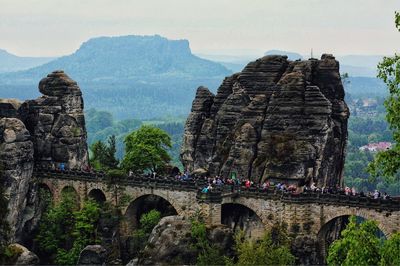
point(306, 214)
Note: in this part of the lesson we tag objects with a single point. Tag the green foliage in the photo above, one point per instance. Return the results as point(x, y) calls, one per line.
point(103, 155)
point(272, 249)
point(146, 150)
point(141, 235)
point(358, 245)
point(387, 163)
point(390, 252)
point(64, 230)
point(149, 220)
point(174, 126)
point(98, 120)
point(208, 254)
point(10, 255)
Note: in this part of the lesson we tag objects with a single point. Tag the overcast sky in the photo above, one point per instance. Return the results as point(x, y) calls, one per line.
point(53, 28)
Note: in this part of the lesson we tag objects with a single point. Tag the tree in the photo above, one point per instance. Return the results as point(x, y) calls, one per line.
point(390, 252)
point(103, 155)
point(141, 235)
point(65, 230)
point(146, 150)
point(272, 249)
point(387, 163)
point(208, 253)
point(358, 245)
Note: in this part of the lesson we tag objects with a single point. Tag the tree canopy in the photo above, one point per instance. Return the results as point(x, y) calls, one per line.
point(103, 155)
point(360, 245)
point(65, 230)
point(387, 163)
point(146, 150)
point(272, 249)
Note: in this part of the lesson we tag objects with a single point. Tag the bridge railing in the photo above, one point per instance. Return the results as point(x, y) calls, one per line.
point(324, 198)
point(218, 192)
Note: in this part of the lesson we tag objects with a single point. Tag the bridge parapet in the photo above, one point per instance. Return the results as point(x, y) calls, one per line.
point(228, 191)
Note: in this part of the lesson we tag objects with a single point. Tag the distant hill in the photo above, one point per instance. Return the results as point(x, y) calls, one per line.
point(10, 62)
point(131, 76)
point(128, 57)
point(291, 55)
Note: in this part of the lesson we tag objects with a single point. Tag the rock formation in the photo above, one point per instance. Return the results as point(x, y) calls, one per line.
point(277, 120)
point(23, 255)
point(47, 131)
point(9, 107)
point(92, 255)
point(56, 122)
point(170, 242)
point(16, 159)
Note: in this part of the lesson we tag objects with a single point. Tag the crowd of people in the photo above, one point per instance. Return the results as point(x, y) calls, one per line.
point(239, 184)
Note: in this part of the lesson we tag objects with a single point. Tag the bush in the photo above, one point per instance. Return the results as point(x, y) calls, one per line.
point(146, 224)
point(64, 231)
point(115, 174)
point(208, 254)
point(272, 249)
point(390, 252)
point(149, 220)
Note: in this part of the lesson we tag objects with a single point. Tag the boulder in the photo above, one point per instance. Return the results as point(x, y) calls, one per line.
point(92, 255)
point(9, 108)
point(23, 256)
point(170, 242)
point(277, 119)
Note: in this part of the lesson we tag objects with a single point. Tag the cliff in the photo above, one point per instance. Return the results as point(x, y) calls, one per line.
point(277, 120)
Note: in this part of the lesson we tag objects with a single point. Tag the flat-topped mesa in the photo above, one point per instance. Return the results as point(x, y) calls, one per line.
point(56, 122)
point(277, 119)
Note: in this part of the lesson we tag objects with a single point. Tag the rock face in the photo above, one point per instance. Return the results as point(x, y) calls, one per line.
point(9, 107)
point(56, 122)
point(170, 242)
point(277, 119)
point(25, 256)
point(16, 159)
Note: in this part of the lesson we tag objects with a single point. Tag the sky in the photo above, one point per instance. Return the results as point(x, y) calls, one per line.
point(234, 27)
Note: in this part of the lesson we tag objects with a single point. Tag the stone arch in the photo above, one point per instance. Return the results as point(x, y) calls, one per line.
point(267, 215)
point(332, 228)
point(44, 188)
point(364, 213)
point(70, 190)
point(97, 195)
point(143, 204)
point(240, 217)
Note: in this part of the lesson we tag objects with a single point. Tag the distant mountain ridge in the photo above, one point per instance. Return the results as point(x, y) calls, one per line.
point(127, 57)
point(130, 76)
point(11, 63)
